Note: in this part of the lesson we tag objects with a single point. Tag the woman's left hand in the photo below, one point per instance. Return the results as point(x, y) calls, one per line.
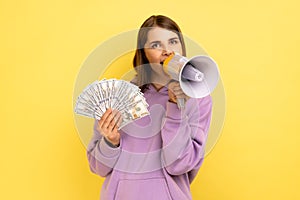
point(175, 92)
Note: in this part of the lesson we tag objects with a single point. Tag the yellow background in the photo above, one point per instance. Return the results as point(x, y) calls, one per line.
point(256, 44)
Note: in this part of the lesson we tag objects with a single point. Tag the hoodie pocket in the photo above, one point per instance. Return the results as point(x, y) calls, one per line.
point(146, 189)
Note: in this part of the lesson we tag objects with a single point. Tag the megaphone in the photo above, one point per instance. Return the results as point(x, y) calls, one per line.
point(197, 76)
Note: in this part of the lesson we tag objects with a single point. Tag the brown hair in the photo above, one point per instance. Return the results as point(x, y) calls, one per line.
point(140, 61)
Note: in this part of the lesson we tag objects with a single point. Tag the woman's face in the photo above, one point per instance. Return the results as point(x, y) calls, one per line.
point(160, 44)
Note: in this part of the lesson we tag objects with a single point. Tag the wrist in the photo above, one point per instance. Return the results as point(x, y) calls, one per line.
point(111, 143)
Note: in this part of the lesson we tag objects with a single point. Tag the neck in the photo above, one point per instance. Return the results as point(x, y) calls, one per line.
point(159, 80)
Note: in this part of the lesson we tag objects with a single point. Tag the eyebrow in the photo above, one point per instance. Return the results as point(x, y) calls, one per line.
point(174, 38)
point(157, 41)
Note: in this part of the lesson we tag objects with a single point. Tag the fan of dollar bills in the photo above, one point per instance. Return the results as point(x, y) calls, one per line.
point(119, 95)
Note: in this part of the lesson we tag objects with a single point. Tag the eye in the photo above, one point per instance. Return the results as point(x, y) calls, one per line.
point(155, 45)
point(174, 41)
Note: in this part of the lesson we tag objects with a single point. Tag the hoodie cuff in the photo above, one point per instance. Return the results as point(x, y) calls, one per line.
point(107, 150)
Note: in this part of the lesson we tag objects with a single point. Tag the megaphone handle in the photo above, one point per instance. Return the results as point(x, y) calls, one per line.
point(180, 103)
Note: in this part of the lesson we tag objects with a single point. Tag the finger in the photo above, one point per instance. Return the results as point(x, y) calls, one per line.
point(112, 119)
point(118, 120)
point(104, 117)
point(172, 96)
point(110, 127)
point(176, 88)
point(116, 114)
point(109, 122)
point(173, 84)
point(115, 129)
point(170, 93)
point(178, 93)
point(180, 97)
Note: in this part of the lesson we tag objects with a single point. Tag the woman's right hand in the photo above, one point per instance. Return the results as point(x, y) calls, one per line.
point(108, 126)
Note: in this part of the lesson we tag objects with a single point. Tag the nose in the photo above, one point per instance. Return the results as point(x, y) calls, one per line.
point(166, 52)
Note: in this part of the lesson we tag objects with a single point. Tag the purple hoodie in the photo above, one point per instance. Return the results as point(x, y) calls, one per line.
point(159, 155)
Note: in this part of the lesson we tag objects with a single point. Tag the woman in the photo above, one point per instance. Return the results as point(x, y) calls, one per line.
point(158, 156)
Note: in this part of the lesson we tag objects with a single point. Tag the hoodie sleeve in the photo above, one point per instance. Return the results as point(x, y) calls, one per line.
point(101, 156)
point(184, 135)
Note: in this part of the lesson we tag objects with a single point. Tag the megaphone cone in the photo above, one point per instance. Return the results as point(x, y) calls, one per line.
point(209, 77)
point(197, 76)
